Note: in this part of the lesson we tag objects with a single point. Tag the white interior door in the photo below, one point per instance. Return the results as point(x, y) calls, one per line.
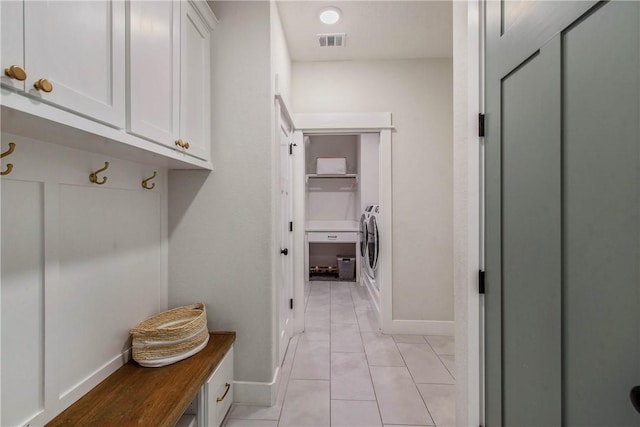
point(286, 239)
point(562, 298)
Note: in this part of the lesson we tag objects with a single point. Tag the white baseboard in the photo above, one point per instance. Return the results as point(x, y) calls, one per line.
point(256, 393)
point(373, 292)
point(420, 327)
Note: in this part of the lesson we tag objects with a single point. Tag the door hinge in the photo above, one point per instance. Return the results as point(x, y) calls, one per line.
point(291, 303)
point(290, 225)
point(480, 125)
point(481, 282)
point(290, 149)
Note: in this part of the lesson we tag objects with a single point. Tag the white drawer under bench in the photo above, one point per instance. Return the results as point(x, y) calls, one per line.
point(219, 391)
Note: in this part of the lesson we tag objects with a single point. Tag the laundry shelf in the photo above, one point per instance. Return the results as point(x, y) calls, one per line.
point(353, 176)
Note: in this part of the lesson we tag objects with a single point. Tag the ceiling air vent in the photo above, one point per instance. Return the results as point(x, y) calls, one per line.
point(332, 40)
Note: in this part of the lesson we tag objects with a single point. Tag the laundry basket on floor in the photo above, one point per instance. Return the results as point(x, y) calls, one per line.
point(346, 267)
point(170, 336)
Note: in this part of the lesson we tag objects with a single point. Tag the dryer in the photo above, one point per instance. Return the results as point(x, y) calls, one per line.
point(373, 244)
point(362, 237)
point(370, 253)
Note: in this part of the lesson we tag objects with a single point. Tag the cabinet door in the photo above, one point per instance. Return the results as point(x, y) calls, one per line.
point(12, 41)
point(154, 70)
point(78, 46)
point(195, 106)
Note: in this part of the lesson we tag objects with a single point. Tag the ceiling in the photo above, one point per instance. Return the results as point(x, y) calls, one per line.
point(375, 29)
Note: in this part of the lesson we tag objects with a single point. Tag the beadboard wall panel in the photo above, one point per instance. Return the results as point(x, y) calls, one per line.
point(109, 273)
point(22, 300)
point(82, 263)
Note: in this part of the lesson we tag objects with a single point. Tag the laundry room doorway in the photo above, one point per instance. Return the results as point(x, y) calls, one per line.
point(342, 168)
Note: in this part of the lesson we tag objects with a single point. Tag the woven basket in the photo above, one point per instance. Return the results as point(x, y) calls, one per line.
point(170, 336)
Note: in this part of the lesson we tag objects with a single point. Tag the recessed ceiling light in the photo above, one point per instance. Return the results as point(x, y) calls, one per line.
point(330, 15)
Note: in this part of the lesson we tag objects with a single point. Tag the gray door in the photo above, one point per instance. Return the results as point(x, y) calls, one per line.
point(562, 213)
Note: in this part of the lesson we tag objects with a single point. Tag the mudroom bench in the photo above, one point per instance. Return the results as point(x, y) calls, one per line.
point(193, 392)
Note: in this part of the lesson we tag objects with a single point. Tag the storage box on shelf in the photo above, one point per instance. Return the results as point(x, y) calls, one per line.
point(331, 166)
point(71, 69)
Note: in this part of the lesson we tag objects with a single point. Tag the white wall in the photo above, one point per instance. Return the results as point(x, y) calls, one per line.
point(419, 95)
point(220, 223)
point(280, 59)
point(222, 249)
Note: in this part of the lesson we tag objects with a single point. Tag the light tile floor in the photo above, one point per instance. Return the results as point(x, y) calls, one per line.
point(342, 372)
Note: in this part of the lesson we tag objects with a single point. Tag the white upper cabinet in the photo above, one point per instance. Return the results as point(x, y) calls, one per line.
point(12, 44)
point(154, 70)
point(126, 78)
point(75, 53)
point(169, 64)
point(195, 97)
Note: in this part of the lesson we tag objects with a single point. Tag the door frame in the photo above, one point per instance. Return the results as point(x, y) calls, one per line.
point(286, 127)
point(343, 124)
point(282, 121)
point(468, 220)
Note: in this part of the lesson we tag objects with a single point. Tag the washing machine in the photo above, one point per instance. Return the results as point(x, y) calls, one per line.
point(364, 234)
point(373, 244)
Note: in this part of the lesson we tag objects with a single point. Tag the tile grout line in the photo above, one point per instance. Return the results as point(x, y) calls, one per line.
point(330, 333)
point(366, 358)
point(293, 360)
point(415, 384)
point(438, 355)
point(286, 386)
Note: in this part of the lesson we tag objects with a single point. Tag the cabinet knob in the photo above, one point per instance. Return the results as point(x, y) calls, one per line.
point(284, 251)
point(186, 145)
point(43, 85)
point(179, 143)
point(15, 72)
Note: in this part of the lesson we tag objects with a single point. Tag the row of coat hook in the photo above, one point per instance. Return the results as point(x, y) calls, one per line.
point(12, 147)
point(93, 176)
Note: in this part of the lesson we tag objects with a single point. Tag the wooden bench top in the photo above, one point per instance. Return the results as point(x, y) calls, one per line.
point(137, 396)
